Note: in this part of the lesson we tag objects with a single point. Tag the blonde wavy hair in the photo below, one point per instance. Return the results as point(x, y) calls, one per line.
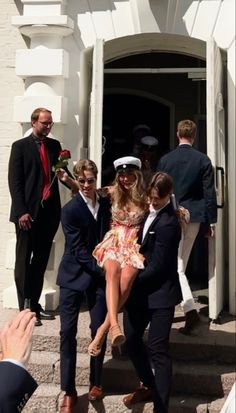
point(136, 195)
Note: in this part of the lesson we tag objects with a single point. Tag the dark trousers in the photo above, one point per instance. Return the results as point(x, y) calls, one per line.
point(32, 253)
point(156, 354)
point(70, 304)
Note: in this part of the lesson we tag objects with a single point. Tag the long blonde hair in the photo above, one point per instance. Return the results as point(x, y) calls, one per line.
point(136, 195)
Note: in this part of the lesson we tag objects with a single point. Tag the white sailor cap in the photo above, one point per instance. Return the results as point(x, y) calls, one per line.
point(127, 163)
point(149, 141)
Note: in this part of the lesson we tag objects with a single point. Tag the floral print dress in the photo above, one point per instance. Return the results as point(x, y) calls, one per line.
point(120, 243)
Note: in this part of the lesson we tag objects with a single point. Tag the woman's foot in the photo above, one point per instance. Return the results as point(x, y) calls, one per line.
point(116, 335)
point(95, 347)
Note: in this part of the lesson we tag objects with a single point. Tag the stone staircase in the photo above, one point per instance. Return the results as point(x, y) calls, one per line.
point(203, 370)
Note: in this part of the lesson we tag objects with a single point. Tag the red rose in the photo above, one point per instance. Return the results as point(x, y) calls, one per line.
point(64, 154)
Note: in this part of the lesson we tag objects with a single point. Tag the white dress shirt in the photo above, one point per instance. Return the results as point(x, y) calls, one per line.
point(152, 215)
point(89, 202)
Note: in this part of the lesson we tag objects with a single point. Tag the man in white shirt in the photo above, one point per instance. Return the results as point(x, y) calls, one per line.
point(154, 295)
point(85, 220)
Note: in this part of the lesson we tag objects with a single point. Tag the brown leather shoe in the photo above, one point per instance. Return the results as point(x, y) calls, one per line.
point(141, 395)
point(95, 393)
point(68, 404)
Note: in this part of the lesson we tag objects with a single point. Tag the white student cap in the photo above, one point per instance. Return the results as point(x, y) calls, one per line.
point(149, 141)
point(127, 163)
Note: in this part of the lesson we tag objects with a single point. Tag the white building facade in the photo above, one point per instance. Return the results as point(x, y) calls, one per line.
point(104, 66)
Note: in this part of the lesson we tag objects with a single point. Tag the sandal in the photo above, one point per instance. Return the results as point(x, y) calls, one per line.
point(95, 347)
point(116, 336)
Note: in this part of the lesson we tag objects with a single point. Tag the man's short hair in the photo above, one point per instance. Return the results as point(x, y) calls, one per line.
point(36, 113)
point(187, 129)
point(85, 165)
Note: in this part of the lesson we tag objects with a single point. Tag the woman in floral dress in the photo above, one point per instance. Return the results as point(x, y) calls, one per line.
point(118, 253)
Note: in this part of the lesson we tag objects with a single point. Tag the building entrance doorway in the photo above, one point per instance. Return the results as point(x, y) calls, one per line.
point(158, 101)
point(186, 75)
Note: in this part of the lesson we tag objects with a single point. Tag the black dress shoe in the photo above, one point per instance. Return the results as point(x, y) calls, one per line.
point(192, 321)
point(42, 315)
point(38, 322)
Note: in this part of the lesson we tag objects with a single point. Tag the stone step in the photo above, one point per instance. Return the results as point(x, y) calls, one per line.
point(208, 342)
point(119, 376)
point(47, 399)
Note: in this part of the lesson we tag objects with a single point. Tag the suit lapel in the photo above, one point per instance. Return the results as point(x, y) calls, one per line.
point(157, 218)
point(33, 148)
point(150, 228)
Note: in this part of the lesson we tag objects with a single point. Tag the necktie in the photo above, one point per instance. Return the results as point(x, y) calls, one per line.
point(45, 165)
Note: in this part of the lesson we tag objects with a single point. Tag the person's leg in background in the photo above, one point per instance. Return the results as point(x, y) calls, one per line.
point(98, 310)
point(189, 235)
point(43, 231)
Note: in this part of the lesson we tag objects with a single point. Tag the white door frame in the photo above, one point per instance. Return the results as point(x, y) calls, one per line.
point(121, 47)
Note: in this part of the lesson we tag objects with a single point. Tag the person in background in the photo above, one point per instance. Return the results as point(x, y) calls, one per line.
point(148, 157)
point(16, 383)
point(118, 253)
point(139, 131)
point(35, 208)
point(193, 177)
point(85, 220)
point(155, 293)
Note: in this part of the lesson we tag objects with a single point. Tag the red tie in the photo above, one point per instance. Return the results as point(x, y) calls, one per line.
point(44, 160)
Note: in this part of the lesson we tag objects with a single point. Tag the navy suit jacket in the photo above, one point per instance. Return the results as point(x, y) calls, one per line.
point(158, 282)
point(25, 177)
point(16, 387)
point(78, 268)
point(193, 178)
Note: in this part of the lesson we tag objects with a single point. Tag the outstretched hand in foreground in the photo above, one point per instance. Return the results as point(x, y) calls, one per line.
point(16, 337)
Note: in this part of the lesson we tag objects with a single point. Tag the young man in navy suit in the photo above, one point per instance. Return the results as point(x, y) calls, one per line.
point(85, 220)
point(35, 208)
point(194, 189)
point(16, 383)
point(153, 298)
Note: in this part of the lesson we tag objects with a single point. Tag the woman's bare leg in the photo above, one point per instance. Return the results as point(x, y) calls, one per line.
point(112, 274)
point(118, 287)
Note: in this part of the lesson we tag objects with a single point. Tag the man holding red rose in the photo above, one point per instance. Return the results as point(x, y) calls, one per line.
point(35, 207)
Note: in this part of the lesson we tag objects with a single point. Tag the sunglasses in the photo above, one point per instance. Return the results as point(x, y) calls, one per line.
point(89, 181)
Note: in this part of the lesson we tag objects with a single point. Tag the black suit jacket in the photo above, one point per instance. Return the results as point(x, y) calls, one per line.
point(82, 233)
point(193, 178)
point(16, 387)
point(158, 282)
point(26, 177)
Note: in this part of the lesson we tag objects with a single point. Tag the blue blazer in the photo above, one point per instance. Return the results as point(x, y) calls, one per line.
point(158, 282)
point(193, 178)
point(78, 268)
point(16, 387)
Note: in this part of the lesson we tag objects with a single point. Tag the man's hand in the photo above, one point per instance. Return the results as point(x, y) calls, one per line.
point(25, 222)
point(16, 337)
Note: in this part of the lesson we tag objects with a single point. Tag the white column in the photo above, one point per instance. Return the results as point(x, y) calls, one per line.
point(44, 66)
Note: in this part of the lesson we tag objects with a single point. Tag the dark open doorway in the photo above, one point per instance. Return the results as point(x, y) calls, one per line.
point(121, 114)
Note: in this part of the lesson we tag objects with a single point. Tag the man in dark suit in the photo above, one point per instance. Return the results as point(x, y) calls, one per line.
point(35, 208)
point(154, 295)
point(194, 189)
point(85, 220)
point(16, 383)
